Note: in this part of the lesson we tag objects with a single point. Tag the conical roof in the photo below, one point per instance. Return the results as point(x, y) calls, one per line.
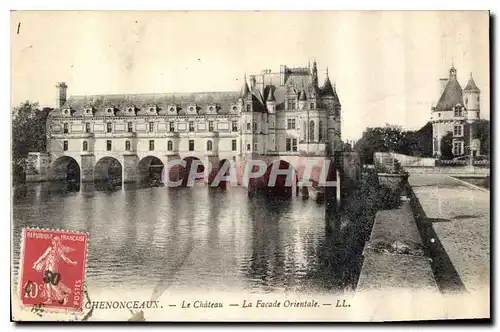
point(471, 85)
point(245, 90)
point(270, 95)
point(336, 100)
point(327, 89)
point(451, 96)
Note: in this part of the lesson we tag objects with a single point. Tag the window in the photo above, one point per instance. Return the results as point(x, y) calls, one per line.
point(466, 101)
point(255, 126)
point(255, 146)
point(457, 148)
point(87, 127)
point(108, 145)
point(288, 145)
point(210, 126)
point(127, 145)
point(191, 145)
point(129, 127)
point(294, 145)
point(248, 125)
point(234, 145)
point(151, 127)
point(248, 147)
point(292, 104)
point(234, 126)
point(291, 123)
point(458, 111)
point(321, 129)
point(458, 130)
point(151, 145)
point(191, 126)
point(439, 115)
point(108, 127)
point(305, 130)
point(249, 107)
point(85, 146)
point(311, 106)
point(65, 145)
point(65, 128)
point(209, 145)
point(311, 131)
point(171, 126)
point(170, 146)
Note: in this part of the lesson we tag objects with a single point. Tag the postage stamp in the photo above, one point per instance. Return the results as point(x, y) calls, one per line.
point(52, 268)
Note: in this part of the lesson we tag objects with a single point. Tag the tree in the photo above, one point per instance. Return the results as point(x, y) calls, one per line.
point(380, 139)
point(28, 134)
point(420, 141)
point(447, 146)
point(482, 131)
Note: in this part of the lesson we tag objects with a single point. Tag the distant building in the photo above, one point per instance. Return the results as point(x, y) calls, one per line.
point(457, 111)
point(278, 113)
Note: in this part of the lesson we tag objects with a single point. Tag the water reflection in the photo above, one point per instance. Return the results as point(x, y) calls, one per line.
point(190, 238)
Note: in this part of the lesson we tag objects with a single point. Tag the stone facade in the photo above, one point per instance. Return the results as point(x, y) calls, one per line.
point(457, 111)
point(274, 114)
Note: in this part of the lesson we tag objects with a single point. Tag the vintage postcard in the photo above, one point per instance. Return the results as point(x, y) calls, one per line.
point(323, 166)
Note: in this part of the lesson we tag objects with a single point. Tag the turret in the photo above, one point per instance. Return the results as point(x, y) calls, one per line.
point(472, 99)
point(244, 88)
point(327, 89)
point(271, 101)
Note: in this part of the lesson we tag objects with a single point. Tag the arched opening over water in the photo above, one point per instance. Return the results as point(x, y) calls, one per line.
point(178, 172)
point(108, 171)
point(226, 164)
point(150, 170)
point(281, 188)
point(66, 169)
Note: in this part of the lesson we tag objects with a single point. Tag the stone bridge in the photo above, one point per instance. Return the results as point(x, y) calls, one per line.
point(305, 171)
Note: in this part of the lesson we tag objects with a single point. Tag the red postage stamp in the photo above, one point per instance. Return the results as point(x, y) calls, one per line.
point(52, 268)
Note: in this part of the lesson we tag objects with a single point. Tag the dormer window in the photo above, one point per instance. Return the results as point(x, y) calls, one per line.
point(211, 108)
point(235, 108)
point(172, 109)
point(151, 109)
point(191, 109)
point(130, 110)
point(87, 111)
point(110, 110)
point(66, 111)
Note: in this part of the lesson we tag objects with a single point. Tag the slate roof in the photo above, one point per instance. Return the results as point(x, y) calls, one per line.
point(451, 96)
point(143, 102)
point(471, 85)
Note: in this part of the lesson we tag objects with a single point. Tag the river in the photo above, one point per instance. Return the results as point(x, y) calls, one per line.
point(198, 238)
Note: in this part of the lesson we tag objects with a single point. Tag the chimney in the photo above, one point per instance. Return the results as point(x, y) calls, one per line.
point(443, 82)
point(61, 94)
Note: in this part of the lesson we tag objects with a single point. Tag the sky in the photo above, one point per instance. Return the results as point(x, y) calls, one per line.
point(386, 65)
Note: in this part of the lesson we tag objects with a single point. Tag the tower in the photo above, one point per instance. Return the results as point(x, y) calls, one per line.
point(472, 99)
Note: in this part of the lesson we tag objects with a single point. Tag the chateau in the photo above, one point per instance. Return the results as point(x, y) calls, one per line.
point(274, 114)
point(456, 111)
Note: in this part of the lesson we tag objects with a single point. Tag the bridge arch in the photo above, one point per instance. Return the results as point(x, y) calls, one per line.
point(65, 168)
point(108, 169)
point(150, 169)
point(280, 188)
